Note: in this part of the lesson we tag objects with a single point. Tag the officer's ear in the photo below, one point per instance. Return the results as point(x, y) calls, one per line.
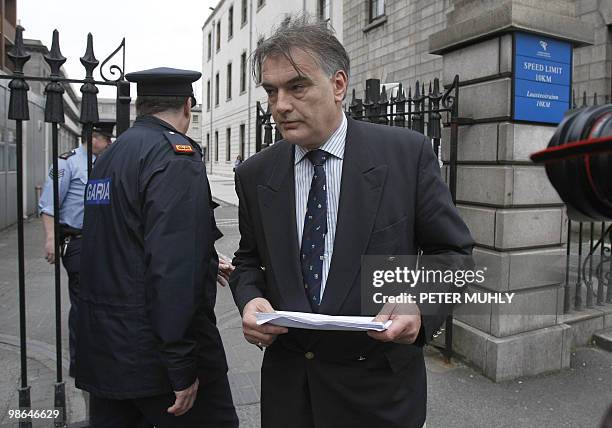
point(187, 107)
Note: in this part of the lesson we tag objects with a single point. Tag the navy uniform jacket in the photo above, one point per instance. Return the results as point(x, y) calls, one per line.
point(148, 268)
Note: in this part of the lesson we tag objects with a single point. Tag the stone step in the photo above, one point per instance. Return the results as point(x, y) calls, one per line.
point(603, 339)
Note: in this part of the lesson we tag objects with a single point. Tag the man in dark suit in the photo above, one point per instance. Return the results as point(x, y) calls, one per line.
point(311, 205)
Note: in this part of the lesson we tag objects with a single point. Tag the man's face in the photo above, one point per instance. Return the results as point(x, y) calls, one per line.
point(306, 107)
point(99, 143)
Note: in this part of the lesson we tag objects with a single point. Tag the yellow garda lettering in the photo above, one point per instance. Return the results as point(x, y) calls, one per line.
point(183, 148)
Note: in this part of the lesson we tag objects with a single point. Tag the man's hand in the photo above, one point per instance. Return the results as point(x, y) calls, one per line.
point(225, 270)
point(405, 326)
point(50, 250)
point(260, 335)
point(184, 399)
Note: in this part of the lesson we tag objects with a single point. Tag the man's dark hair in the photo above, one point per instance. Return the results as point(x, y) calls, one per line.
point(303, 32)
point(149, 104)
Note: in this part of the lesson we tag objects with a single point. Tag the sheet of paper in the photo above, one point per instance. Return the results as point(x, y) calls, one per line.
point(320, 321)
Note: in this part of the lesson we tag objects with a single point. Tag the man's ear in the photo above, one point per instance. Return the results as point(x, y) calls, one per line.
point(340, 82)
point(187, 107)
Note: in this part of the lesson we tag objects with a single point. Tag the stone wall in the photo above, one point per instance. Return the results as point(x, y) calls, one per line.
point(395, 48)
point(593, 64)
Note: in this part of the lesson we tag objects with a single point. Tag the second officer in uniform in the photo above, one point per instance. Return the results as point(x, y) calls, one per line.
point(72, 177)
point(148, 349)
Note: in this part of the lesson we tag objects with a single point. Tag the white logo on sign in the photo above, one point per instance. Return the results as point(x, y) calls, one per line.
point(544, 45)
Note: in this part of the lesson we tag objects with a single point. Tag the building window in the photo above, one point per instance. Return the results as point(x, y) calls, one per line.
point(217, 89)
point(230, 23)
point(208, 95)
point(12, 157)
point(323, 10)
point(195, 118)
point(243, 13)
point(242, 139)
point(377, 9)
point(216, 146)
point(218, 35)
point(228, 140)
point(243, 70)
point(207, 147)
point(258, 71)
point(209, 45)
point(229, 81)
point(260, 4)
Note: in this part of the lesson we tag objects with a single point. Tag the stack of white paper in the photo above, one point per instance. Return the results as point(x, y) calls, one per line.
point(320, 322)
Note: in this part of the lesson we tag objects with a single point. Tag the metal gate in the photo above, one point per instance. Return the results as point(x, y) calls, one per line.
point(54, 114)
point(422, 111)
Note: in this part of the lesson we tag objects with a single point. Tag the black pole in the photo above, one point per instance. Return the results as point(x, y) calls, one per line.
point(609, 292)
point(600, 276)
point(589, 282)
point(24, 391)
point(578, 296)
point(54, 114)
point(57, 245)
point(89, 100)
point(258, 124)
point(19, 111)
point(566, 297)
point(123, 106)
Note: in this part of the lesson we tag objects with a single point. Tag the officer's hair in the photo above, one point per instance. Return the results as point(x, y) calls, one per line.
point(149, 104)
point(303, 32)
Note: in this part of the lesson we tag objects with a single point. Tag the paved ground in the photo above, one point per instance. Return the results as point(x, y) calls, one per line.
point(458, 395)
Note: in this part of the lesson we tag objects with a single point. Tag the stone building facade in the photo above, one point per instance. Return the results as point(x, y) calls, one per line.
point(395, 46)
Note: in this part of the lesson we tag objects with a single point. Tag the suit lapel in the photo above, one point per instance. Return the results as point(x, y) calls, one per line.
point(277, 206)
point(360, 191)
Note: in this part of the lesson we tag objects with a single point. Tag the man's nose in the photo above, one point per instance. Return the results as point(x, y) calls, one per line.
point(283, 102)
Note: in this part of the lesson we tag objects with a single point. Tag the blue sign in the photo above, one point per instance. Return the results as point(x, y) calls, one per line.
point(542, 78)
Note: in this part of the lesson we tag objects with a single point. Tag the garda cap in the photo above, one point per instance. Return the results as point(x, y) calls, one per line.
point(105, 127)
point(164, 82)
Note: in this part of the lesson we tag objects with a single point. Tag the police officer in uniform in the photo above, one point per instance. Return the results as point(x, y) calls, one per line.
point(148, 349)
point(72, 167)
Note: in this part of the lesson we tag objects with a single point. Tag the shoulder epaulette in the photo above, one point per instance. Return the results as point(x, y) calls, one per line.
point(179, 143)
point(67, 154)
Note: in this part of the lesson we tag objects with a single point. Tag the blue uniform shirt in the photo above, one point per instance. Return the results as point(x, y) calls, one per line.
point(72, 181)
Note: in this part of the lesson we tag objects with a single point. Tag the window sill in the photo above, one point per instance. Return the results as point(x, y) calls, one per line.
point(227, 100)
point(242, 92)
point(375, 23)
point(242, 24)
point(260, 7)
point(230, 37)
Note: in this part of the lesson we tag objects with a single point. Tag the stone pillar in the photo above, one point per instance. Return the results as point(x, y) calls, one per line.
point(513, 211)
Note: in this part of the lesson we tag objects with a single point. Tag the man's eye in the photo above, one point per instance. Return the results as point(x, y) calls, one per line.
point(270, 92)
point(298, 88)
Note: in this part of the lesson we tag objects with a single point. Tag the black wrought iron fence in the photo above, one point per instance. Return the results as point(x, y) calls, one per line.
point(588, 269)
point(54, 114)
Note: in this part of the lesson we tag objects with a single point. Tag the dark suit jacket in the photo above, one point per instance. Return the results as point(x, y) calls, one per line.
point(392, 201)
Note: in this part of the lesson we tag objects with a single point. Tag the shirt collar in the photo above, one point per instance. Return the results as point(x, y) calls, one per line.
point(334, 144)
